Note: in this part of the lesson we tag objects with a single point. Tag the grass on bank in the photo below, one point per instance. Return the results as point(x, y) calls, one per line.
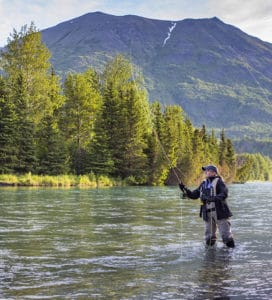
point(29, 179)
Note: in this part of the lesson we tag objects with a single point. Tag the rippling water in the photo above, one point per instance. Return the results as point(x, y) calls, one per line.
point(131, 243)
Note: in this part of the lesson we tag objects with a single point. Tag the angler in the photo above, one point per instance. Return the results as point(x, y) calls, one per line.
point(214, 208)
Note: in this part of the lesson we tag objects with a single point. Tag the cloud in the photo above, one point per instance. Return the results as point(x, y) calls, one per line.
point(16, 13)
point(165, 10)
point(251, 16)
point(241, 11)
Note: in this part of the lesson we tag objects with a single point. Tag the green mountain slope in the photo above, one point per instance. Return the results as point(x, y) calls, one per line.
point(221, 76)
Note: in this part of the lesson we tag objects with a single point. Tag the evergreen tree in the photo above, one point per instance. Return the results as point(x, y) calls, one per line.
point(100, 158)
point(230, 160)
point(8, 147)
point(52, 151)
point(213, 149)
point(244, 167)
point(206, 146)
point(157, 162)
point(100, 155)
point(136, 130)
point(174, 140)
point(186, 160)
point(79, 112)
point(199, 158)
point(223, 149)
point(126, 117)
point(25, 131)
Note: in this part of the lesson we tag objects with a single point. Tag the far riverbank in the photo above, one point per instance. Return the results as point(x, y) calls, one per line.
point(29, 179)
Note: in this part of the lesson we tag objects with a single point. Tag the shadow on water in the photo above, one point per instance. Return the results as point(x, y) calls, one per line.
point(206, 273)
point(214, 275)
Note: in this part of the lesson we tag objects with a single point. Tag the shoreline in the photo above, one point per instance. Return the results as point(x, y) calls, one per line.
point(29, 180)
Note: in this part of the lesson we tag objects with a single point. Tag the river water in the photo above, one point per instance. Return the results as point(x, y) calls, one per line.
point(131, 243)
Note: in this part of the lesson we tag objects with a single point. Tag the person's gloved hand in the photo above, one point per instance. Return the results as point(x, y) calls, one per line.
point(181, 186)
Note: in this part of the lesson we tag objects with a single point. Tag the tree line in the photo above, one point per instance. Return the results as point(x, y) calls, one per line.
point(99, 124)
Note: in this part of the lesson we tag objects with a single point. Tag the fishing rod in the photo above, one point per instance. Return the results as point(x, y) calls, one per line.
point(166, 156)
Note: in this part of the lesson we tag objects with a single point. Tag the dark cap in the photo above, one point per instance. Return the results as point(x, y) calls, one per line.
point(210, 167)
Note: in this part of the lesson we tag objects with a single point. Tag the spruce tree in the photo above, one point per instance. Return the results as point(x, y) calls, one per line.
point(100, 156)
point(222, 148)
point(52, 153)
point(137, 127)
point(244, 166)
point(157, 163)
point(213, 149)
point(230, 160)
point(185, 164)
point(25, 131)
point(8, 143)
point(174, 140)
point(206, 150)
point(126, 117)
point(199, 157)
point(223, 155)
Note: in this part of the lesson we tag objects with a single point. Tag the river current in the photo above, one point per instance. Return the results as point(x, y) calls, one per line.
point(131, 243)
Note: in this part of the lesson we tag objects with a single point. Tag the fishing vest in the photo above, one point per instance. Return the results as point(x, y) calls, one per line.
point(209, 188)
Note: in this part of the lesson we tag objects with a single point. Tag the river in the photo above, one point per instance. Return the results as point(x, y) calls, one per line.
point(131, 243)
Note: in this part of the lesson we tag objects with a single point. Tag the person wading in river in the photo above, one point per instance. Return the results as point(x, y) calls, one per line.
point(214, 208)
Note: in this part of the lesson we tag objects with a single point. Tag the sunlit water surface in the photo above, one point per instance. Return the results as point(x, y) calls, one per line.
point(131, 243)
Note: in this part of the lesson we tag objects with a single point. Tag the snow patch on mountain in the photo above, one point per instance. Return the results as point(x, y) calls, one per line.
point(169, 33)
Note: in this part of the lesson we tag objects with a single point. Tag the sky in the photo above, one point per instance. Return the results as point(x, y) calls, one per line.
point(252, 16)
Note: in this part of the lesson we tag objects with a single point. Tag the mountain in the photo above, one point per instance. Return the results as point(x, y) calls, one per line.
point(221, 76)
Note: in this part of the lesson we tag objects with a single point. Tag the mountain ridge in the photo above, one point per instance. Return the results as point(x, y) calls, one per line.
point(221, 76)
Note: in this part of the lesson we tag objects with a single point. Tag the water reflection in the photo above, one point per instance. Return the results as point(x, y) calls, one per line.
point(214, 274)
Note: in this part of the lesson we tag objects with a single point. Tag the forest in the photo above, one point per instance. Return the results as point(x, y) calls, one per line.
point(102, 124)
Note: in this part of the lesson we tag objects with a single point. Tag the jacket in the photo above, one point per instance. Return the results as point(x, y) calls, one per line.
point(219, 198)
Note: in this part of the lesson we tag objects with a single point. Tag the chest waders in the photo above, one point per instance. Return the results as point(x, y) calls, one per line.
point(210, 217)
point(211, 220)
